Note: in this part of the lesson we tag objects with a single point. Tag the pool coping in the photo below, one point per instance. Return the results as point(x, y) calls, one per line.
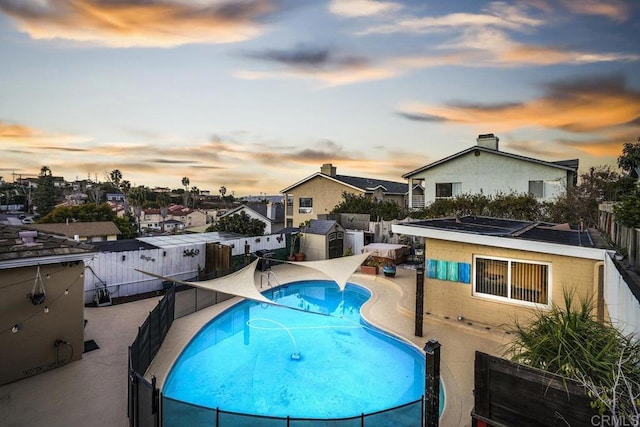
point(387, 309)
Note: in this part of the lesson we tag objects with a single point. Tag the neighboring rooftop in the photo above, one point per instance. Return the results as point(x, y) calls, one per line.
point(189, 239)
point(81, 229)
point(122, 245)
point(22, 243)
point(509, 228)
point(367, 185)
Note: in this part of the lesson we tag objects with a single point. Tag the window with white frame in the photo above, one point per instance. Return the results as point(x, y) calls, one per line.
point(445, 190)
point(544, 189)
point(513, 280)
point(305, 205)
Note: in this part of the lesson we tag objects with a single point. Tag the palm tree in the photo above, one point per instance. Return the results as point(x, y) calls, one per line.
point(185, 184)
point(136, 198)
point(163, 201)
point(195, 191)
point(116, 176)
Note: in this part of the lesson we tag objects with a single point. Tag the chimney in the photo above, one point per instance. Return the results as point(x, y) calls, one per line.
point(328, 169)
point(271, 212)
point(488, 140)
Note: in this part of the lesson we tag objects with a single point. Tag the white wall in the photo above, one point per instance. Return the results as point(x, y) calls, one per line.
point(489, 174)
point(623, 306)
point(354, 239)
point(121, 276)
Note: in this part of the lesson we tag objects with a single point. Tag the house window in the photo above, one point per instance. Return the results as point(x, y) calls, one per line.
point(544, 189)
point(446, 190)
point(517, 281)
point(305, 205)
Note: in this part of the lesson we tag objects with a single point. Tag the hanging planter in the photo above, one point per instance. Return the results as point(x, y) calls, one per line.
point(37, 294)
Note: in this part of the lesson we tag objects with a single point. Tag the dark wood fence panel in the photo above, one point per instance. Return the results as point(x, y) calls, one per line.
point(509, 394)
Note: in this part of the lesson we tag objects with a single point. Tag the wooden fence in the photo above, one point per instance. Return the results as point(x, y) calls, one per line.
point(510, 394)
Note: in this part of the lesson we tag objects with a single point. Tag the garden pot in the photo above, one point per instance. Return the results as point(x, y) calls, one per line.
point(369, 269)
point(299, 257)
point(389, 271)
point(37, 298)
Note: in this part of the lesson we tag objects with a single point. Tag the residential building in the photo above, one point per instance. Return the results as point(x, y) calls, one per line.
point(41, 301)
point(96, 231)
point(271, 214)
point(492, 271)
point(178, 218)
point(319, 193)
point(484, 169)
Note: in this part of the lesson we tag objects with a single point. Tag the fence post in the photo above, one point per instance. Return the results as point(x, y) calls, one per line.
point(419, 299)
point(432, 383)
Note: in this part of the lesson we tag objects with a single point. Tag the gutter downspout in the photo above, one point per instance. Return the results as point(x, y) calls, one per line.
point(598, 286)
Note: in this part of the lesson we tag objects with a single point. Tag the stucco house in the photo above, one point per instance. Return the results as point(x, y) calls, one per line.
point(271, 214)
point(41, 301)
point(150, 219)
point(485, 169)
point(96, 231)
point(490, 271)
point(321, 192)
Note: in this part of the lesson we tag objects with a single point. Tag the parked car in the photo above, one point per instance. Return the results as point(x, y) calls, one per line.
point(22, 216)
point(27, 221)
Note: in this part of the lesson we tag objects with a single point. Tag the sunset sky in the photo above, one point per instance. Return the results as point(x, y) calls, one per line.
point(256, 95)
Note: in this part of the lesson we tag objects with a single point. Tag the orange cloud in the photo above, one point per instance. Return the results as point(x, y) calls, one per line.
point(154, 23)
point(617, 10)
point(580, 106)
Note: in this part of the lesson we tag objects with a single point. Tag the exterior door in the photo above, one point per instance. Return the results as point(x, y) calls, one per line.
point(336, 244)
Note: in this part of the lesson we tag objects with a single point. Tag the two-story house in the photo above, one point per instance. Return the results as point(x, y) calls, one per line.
point(271, 214)
point(319, 193)
point(485, 169)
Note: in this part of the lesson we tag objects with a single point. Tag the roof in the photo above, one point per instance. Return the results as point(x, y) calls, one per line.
point(366, 185)
point(71, 229)
point(569, 165)
point(189, 239)
point(260, 209)
point(513, 229)
point(15, 247)
point(320, 226)
point(122, 245)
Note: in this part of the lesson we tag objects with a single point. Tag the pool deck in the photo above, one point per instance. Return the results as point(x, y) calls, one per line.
point(93, 391)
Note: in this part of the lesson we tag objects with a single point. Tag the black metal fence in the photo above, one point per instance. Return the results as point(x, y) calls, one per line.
point(177, 413)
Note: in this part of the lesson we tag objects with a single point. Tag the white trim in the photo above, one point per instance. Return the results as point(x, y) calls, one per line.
point(502, 242)
point(508, 299)
point(53, 259)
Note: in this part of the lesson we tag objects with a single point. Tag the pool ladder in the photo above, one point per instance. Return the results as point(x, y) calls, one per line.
point(267, 275)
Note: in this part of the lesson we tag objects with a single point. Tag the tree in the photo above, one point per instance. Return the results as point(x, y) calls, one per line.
point(163, 201)
point(116, 176)
point(629, 160)
point(136, 199)
point(569, 341)
point(361, 204)
point(88, 212)
point(239, 223)
point(195, 192)
point(185, 184)
point(45, 198)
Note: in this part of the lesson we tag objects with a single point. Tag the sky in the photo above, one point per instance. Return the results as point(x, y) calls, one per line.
point(255, 95)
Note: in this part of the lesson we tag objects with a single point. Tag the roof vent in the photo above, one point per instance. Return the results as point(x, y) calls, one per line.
point(28, 237)
point(488, 140)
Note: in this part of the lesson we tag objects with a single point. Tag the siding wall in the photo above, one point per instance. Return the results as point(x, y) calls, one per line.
point(453, 299)
point(122, 279)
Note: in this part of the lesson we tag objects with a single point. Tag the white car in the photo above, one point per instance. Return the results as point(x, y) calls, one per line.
point(27, 221)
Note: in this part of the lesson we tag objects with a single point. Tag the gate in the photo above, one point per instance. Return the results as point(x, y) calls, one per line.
point(336, 244)
point(217, 258)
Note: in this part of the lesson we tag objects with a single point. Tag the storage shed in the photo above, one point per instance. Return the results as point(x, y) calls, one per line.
point(323, 239)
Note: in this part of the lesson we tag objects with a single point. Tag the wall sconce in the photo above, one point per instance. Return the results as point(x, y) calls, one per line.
point(164, 253)
point(46, 309)
point(16, 328)
point(124, 257)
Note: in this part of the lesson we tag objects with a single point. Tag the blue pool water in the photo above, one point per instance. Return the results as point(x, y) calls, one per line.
point(318, 361)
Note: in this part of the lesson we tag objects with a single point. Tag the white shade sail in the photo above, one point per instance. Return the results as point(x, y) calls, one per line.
point(339, 269)
point(242, 282)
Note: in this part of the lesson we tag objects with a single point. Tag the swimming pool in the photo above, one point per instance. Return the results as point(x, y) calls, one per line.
point(320, 360)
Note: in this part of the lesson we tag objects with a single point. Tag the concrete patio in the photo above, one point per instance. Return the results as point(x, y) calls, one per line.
point(93, 391)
